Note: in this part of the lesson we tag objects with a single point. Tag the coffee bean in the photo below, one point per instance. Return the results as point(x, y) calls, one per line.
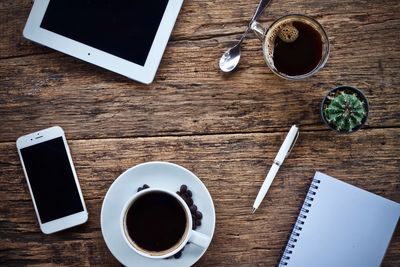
point(189, 193)
point(145, 186)
point(189, 202)
point(178, 255)
point(194, 226)
point(199, 215)
point(198, 222)
point(193, 208)
point(183, 188)
point(179, 193)
point(139, 189)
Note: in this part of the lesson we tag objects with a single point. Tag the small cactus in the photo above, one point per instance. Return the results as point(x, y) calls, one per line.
point(345, 112)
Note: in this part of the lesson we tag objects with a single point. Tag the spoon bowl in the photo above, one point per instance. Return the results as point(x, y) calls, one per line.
point(230, 58)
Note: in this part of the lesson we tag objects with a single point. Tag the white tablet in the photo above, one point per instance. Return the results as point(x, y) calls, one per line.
point(124, 36)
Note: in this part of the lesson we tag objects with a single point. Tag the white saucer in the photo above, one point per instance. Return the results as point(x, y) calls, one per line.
point(155, 174)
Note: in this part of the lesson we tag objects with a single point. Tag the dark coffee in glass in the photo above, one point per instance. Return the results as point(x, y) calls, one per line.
point(297, 49)
point(294, 46)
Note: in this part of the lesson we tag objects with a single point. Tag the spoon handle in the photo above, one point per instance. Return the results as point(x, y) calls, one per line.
point(244, 34)
point(261, 6)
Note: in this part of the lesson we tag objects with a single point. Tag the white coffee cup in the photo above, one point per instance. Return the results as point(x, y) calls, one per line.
point(189, 235)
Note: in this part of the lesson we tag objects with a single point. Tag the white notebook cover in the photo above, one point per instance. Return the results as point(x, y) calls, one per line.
point(345, 226)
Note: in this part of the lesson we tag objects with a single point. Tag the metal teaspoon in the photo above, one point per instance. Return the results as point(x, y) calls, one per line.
point(231, 57)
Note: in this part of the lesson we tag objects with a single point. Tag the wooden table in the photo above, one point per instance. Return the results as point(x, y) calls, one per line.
point(226, 128)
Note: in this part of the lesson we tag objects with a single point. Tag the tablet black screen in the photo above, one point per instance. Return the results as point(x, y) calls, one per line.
point(124, 28)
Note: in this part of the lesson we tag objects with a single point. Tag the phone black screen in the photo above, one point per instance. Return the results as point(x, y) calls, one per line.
point(124, 28)
point(52, 181)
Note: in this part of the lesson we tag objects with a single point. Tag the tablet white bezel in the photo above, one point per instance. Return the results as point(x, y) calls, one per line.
point(144, 74)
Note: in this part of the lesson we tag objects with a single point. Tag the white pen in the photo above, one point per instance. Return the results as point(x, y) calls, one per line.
point(284, 151)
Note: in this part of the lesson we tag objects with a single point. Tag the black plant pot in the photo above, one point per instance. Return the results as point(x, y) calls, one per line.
point(360, 95)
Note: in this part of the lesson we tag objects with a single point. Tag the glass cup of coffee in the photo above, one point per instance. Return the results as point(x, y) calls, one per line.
point(294, 47)
point(157, 224)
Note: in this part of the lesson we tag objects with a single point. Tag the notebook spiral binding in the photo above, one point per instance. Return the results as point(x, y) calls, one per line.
point(298, 226)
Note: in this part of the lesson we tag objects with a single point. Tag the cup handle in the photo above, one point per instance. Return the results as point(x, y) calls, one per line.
point(258, 30)
point(199, 239)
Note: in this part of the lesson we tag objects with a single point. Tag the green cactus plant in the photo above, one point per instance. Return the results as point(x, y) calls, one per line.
point(345, 112)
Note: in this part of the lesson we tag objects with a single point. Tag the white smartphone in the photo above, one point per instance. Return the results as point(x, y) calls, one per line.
point(52, 180)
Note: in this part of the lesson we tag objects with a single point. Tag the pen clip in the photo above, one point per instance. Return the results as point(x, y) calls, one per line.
point(292, 145)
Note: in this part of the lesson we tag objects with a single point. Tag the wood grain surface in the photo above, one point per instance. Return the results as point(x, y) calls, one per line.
point(226, 128)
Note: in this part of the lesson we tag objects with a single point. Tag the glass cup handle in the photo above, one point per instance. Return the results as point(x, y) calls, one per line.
point(199, 239)
point(258, 30)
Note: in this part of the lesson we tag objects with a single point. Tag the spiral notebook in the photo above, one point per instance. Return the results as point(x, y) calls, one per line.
point(340, 225)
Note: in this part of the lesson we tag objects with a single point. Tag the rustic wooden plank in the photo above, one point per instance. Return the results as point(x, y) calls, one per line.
point(205, 19)
point(231, 166)
point(193, 99)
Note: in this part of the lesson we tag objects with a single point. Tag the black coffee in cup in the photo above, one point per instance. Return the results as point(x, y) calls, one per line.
point(156, 222)
point(297, 48)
